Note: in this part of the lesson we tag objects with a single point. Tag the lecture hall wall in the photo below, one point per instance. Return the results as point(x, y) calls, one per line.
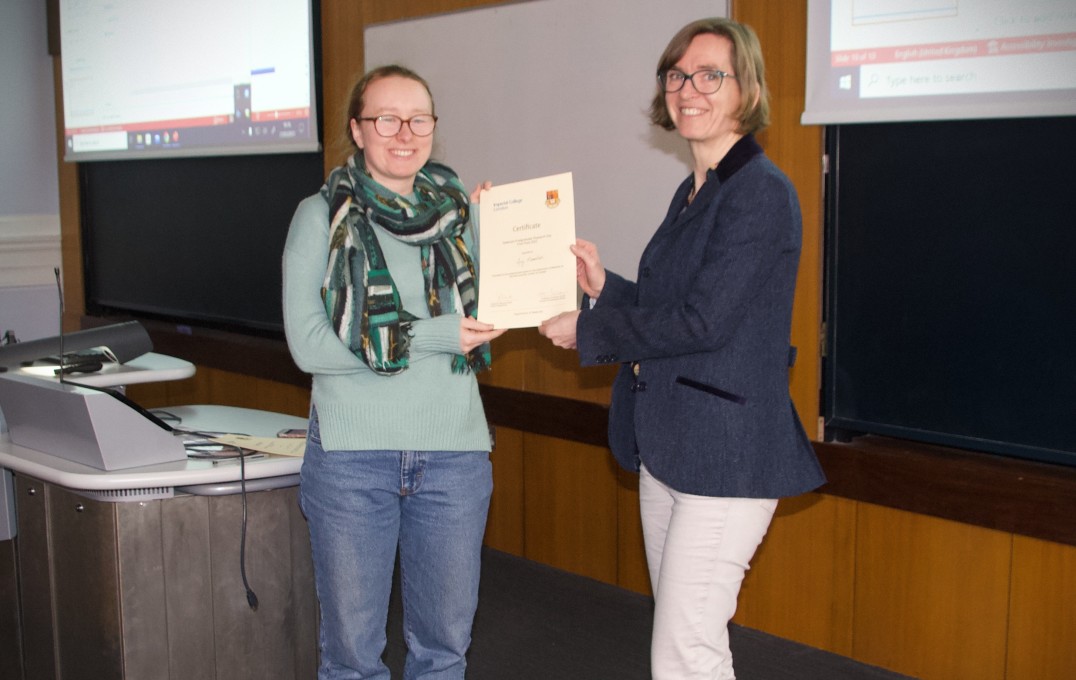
point(925, 596)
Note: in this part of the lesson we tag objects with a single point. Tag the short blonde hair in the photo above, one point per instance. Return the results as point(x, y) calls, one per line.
point(754, 111)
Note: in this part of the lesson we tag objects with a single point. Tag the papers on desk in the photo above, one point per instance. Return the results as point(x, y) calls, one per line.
point(526, 270)
point(280, 446)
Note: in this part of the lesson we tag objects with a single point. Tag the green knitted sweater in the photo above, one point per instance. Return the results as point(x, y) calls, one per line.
point(424, 408)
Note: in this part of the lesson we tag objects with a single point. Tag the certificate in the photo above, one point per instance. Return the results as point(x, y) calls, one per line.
point(526, 271)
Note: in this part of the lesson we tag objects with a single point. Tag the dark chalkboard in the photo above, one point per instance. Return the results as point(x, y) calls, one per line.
point(195, 240)
point(951, 284)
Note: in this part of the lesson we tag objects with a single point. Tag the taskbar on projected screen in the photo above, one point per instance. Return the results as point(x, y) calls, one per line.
point(245, 137)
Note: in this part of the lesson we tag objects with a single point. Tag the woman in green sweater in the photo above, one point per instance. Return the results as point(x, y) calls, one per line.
point(380, 291)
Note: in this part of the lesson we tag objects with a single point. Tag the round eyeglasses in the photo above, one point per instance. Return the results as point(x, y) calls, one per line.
point(389, 126)
point(709, 80)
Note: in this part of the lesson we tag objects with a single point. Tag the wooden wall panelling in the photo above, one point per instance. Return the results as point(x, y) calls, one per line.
point(801, 582)
point(234, 389)
point(151, 395)
point(504, 529)
point(1014, 496)
point(931, 595)
point(1042, 611)
point(524, 360)
point(570, 506)
point(193, 390)
point(632, 572)
point(255, 393)
point(214, 386)
point(510, 352)
point(341, 65)
point(555, 371)
point(797, 150)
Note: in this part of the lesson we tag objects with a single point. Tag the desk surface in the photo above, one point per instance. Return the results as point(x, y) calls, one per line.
point(230, 419)
point(149, 367)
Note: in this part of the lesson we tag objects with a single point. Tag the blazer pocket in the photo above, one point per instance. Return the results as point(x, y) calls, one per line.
point(710, 389)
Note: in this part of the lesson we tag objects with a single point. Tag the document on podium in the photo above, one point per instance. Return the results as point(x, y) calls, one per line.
point(526, 271)
point(278, 445)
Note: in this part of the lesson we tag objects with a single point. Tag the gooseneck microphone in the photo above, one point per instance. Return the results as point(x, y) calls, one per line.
point(82, 364)
point(60, 296)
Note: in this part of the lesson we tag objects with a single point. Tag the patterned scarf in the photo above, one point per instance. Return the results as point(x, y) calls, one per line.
point(359, 293)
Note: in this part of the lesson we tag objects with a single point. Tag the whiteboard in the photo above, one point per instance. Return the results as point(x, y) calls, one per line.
point(537, 88)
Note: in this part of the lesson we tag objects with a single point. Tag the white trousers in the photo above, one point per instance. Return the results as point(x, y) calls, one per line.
point(698, 549)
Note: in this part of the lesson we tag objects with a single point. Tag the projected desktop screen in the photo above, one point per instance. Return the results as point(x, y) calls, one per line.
point(908, 60)
point(152, 79)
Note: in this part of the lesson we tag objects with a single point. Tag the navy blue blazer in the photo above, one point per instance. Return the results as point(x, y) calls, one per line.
point(704, 338)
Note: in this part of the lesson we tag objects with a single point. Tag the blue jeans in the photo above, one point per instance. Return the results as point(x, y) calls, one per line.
point(361, 505)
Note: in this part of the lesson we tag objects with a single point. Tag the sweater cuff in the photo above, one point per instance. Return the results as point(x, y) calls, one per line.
point(438, 334)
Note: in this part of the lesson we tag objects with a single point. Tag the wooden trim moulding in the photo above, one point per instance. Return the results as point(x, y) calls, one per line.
point(579, 421)
point(1006, 494)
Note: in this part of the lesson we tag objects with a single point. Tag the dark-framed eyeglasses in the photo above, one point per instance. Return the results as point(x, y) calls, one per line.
point(389, 126)
point(709, 80)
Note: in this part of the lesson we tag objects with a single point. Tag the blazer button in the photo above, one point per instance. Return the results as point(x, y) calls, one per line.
point(646, 272)
point(641, 387)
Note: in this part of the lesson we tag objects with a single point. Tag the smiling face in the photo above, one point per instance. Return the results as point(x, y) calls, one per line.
point(393, 161)
point(708, 121)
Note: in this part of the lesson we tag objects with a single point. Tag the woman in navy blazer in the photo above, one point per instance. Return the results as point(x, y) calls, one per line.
point(701, 406)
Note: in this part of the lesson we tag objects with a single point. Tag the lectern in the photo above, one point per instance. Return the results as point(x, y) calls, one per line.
point(84, 425)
